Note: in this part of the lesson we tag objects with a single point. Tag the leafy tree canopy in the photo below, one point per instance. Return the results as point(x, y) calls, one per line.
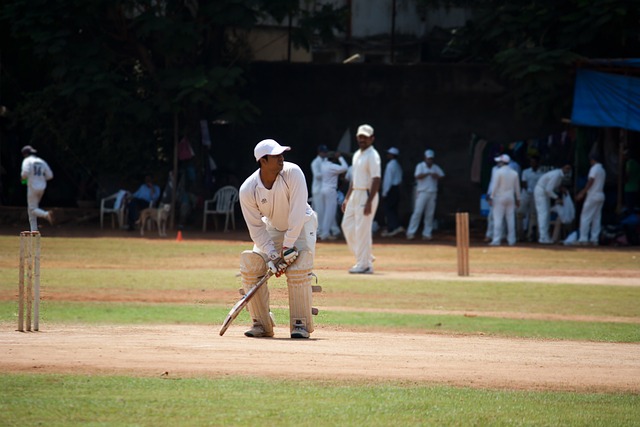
point(536, 43)
point(117, 70)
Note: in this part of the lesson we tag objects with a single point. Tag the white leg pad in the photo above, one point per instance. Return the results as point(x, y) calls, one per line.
point(299, 278)
point(252, 269)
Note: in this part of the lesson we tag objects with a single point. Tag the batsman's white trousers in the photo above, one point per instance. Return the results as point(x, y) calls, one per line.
point(356, 227)
point(590, 218)
point(33, 203)
point(504, 208)
point(543, 207)
point(329, 198)
point(424, 209)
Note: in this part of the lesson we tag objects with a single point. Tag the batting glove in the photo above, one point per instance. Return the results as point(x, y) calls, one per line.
point(274, 256)
point(289, 255)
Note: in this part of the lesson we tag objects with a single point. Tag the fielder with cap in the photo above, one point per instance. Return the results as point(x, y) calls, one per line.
point(283, 228)
point(505, 198)
point(361, 201)
point(427, 175)
point(35, 173)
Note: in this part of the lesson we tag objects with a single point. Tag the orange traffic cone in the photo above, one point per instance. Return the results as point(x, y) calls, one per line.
point(179, 238)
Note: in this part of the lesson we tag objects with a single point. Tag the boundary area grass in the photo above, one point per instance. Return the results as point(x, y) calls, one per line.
point(56, 400)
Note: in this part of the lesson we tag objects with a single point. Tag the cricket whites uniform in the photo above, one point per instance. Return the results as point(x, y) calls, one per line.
point(329, 195)
point(505, 192)
point(527, 203)
point(426, 198)
point(544, 191)
point(591, 215)
point(37, 172)
point(284, 210)
point(279, 217)
point(356, 226)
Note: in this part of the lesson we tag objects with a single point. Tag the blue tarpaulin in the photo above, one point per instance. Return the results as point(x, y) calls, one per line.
point(606, 100)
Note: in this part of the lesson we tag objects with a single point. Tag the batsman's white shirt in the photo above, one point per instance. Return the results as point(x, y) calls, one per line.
point(283, 207)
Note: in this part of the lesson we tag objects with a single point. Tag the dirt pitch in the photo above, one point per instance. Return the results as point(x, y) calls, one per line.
point(332, 354)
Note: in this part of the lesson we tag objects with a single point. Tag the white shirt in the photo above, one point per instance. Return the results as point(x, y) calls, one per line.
point(549, 181)
point(505, 183)
point(598, 174)
point(316, 173)
point(283, 207)
point(531, 177)
point(36, 171)
point(331, 172)
point(392, 176)
point(428, 183)
point(366, 166)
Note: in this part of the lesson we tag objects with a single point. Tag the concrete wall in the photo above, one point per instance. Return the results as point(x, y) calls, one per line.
point(410, 107)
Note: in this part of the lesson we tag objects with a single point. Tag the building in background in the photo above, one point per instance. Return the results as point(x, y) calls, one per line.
point(378, 31)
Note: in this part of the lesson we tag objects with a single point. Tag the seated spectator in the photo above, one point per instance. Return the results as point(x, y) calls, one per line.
point(147, 194)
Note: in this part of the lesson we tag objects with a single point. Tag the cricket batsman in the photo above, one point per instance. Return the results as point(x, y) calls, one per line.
point(283, 228)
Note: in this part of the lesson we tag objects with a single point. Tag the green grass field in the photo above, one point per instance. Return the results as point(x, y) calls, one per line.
point(107, 281)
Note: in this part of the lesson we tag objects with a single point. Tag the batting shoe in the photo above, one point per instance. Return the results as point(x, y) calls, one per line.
point(299, 332)
point(51, 218)
point(359, 270)
point(257, 331)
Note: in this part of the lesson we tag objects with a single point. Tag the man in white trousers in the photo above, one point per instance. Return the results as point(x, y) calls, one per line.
point(283, 228)
point(526, 213)
point(427, 175)
point(546, 190)
point(591, 214)
point(316, 188)
point(35, 173)
point(505, 198)
point(361, 201)
point(334, 166)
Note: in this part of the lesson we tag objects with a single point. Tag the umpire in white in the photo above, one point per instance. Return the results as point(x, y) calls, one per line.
point(283, 228)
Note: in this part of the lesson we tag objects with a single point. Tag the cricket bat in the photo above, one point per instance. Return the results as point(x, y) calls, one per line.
point(242, 303)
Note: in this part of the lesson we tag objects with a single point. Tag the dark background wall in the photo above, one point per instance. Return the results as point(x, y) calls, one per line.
point(411, 107)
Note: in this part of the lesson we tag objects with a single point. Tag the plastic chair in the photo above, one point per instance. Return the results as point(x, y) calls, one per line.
point(114, 205)
point(223, 203)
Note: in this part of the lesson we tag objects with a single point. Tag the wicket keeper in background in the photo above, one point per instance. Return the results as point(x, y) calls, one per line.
point(283, 228)
point(361, 202)
point(35, 173)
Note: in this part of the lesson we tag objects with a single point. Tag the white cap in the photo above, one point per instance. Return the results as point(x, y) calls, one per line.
point(365, 130)
point(503, 158)
point(394, 151)
point(429, 154)
point(269, 147)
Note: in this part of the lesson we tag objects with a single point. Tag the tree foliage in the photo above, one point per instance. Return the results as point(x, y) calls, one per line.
point(535, 44)
point(118, 70)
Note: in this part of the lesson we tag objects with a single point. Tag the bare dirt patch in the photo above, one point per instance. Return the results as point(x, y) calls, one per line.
point(179, 351)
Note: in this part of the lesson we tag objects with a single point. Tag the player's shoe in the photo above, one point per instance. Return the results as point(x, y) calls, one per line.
point(299, 332)
point(51, 217)
point(360, 270)
point(257, 331)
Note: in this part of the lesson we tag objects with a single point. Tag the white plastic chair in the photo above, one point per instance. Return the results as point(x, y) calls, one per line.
point(223, 203)
point(114, 205)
